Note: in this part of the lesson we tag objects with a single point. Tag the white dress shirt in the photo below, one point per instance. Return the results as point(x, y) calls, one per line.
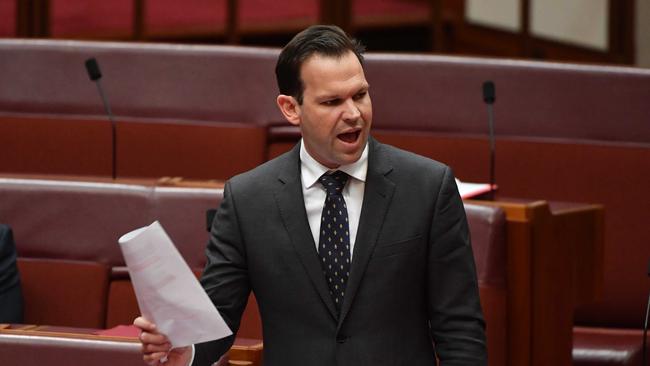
point(314, 193)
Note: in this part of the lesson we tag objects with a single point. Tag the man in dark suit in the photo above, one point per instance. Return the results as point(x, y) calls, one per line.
point(358, 253)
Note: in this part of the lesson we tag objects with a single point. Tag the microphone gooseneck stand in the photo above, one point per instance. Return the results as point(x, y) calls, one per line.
point(489, 97)
point(92, 67)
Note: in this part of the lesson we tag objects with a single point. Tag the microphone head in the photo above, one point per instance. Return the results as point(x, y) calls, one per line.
point(93, 69)
point(489, 93)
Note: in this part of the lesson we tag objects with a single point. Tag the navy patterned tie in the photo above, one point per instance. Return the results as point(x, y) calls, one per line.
point(334, 243)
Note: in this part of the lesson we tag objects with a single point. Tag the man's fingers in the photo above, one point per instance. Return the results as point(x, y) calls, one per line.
point(155, 346)
point(145, 324)
point(153, 358)
point(148, 348)
point(153, 338)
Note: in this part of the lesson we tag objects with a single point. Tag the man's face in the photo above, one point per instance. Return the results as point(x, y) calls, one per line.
point(336, 112)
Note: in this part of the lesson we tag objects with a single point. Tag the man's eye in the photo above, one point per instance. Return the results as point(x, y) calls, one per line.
point(332, 102)
point(360, 95)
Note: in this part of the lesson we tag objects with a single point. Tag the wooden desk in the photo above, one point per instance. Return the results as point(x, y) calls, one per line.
point(555, 263)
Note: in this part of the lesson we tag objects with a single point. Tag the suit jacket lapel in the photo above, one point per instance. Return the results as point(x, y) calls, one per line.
point(376, 200)
point(288, 195)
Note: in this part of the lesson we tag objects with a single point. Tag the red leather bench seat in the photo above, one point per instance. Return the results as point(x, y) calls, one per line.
point(607, 346)
point(179, 109)
point(72, 220)
point(488, 232)
point(66, 234)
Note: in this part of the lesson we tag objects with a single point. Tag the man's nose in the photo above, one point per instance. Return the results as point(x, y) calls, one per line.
point(352, 112)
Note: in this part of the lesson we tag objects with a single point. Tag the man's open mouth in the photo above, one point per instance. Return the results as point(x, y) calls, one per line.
point(349, 137)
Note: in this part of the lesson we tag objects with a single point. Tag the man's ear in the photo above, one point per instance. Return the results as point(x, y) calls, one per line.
point(290, 108)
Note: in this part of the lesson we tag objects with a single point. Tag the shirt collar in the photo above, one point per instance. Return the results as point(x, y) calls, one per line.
point(311, 169)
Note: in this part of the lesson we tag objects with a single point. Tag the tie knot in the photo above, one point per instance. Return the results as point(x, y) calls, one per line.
point(334, 183)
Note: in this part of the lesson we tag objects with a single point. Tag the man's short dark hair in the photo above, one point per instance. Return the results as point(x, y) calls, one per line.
point(327, 40)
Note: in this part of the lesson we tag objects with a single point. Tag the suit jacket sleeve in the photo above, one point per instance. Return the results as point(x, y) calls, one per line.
point(225, 277)
point(456, 320)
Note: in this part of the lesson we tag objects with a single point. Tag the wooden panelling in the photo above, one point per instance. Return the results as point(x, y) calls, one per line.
point(548, 252)
point(481, 40)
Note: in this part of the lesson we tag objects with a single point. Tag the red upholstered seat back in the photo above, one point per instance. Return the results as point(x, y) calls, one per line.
point(72, 220)
point(182, 212)
point(487, 226)
point(64, 292)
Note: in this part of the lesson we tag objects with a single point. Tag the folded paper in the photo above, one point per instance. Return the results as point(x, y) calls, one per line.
point(168, 293)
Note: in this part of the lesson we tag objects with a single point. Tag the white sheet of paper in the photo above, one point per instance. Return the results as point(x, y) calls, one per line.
point(168, 293)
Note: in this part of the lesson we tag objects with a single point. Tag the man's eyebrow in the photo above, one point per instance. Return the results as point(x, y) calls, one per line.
point(361, 89)
point(328, 96)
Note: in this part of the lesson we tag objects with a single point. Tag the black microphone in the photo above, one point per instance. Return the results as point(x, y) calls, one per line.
point(95, 75)
point(489, 97)
point(93, 69)
point(645, 328)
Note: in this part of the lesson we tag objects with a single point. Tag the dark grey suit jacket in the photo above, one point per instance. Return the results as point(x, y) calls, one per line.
point(412, 283)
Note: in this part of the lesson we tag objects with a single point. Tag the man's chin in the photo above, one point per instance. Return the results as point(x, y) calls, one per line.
point(350, 158)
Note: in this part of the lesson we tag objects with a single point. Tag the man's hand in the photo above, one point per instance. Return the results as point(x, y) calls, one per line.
point(156, 348)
